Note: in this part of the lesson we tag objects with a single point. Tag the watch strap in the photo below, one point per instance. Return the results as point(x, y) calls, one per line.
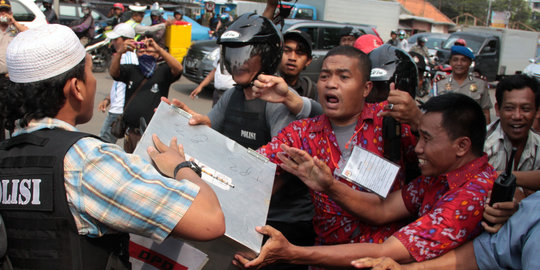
point(186, 164)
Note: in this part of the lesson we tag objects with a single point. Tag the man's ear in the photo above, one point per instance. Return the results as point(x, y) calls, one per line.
point(497, 109)
point(368, 86)
point(308, 62)
point(73, 88)
point(463, 146)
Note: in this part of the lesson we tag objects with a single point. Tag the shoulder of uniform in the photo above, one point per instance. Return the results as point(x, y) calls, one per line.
point(479, 76)
point(439, 78)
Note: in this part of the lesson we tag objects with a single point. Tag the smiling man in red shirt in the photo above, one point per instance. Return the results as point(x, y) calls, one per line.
point(447, 201)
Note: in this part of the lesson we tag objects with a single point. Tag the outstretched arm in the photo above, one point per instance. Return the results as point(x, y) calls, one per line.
point(274, 89)
point(462, 258)
point(196, 118)
point(278, 249)
point(209, 78)
point(317, 176)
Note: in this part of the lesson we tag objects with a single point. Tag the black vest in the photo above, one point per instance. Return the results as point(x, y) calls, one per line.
point(41, 230)
point(245, 120)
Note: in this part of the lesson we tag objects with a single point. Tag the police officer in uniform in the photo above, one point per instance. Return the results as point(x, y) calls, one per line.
point(464, 82)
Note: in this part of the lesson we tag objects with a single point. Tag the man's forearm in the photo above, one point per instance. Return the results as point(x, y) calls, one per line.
point(528, 179)
point(270, 9)
point(141, 29)
point(293, 102)
point(175, 65)
point(343, 255)
point(367, 206)
point(114, 69)
point(461, 258)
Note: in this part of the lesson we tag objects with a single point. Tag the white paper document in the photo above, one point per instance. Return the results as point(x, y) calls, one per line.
point(370, 171)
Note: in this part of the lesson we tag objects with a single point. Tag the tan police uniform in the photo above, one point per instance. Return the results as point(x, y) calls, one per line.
point(474, 87)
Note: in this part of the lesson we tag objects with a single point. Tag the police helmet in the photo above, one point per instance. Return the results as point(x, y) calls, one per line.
point(422, 40)
point(391, 65)
point(250, 35)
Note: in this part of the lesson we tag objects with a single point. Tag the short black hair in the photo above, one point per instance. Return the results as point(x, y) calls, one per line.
point(36, 100)
point(302, 44)
point(462, 116)
point(515, 82)
point(364, 64)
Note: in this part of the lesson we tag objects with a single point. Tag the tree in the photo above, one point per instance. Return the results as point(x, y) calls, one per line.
point(519, 10)
point(451, 9)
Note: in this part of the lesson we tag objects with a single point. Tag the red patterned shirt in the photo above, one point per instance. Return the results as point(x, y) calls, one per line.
point(449, 207)
point(332, 224)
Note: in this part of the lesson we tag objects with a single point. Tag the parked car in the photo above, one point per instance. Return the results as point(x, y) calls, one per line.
point(198, 32)
point(324, 34)
point(70, 13)
point(27, 13)
point(434, 42)
point(533, 69)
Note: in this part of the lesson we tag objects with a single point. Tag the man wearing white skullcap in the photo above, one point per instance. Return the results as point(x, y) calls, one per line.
point(70, 197)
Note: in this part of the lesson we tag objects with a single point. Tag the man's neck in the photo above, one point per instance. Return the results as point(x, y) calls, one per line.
point(459, 77)
point(343, 122)
point(291, 80)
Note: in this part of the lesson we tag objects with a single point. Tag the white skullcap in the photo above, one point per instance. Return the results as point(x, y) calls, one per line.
point(42, 53)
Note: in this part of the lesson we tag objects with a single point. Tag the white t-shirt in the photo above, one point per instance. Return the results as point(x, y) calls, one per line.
point(118, 89)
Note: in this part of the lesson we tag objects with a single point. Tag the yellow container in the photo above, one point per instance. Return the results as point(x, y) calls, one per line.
point(178, 53)
point(178, 36)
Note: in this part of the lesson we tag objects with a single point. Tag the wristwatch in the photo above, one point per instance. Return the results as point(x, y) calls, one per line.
point(189, 164)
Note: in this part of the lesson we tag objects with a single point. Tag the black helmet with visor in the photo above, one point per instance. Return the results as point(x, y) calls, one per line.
point(251, 35)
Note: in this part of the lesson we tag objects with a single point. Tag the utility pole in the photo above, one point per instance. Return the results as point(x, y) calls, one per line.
point(488, 13)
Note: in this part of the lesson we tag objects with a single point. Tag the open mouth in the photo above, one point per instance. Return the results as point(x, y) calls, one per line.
point(331, 99)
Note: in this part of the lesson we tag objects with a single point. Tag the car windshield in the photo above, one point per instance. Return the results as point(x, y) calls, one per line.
point(434, 42)
point(474, 43)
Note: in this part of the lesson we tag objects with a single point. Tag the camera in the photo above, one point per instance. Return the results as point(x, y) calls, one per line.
point(140, 45)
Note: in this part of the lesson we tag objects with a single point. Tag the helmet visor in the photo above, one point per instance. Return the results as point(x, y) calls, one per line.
point(243, 63)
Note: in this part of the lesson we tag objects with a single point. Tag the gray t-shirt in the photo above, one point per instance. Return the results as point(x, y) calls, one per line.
point(278, 115)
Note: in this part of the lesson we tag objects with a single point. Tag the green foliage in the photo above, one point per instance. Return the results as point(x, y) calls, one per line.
point(451, 9)
point(519, 9)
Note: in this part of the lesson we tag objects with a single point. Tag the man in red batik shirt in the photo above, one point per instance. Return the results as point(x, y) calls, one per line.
point(447, 201)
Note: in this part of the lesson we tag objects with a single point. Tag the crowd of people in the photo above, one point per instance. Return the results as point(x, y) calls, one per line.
point(73, 197)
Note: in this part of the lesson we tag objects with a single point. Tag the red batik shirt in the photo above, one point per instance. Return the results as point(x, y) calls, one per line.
point(331, 223)
point(449, 207)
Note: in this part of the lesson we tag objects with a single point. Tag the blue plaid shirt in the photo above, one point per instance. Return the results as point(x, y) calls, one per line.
point(108, 190)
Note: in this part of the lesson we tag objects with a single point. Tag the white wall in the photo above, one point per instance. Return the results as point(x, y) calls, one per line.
point(383, 14)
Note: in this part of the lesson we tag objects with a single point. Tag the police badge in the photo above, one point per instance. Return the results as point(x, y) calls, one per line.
point(473, 87)
point(448, 87)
